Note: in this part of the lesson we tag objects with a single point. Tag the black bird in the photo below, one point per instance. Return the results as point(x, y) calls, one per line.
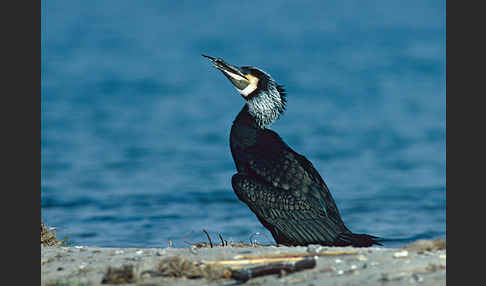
point(279, 185)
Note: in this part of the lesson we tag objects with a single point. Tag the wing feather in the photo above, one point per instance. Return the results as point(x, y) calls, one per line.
point(275, 163)
point(292, 220)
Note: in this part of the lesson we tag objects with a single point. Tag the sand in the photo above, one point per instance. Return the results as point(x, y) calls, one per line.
point(421, 263)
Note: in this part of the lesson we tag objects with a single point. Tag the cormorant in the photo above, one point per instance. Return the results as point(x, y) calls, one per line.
point(279, 185)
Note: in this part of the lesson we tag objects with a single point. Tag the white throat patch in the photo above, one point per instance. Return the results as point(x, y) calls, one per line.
point(251, 87)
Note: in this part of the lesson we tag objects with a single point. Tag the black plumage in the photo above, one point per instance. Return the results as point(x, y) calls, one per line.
point(280, 186)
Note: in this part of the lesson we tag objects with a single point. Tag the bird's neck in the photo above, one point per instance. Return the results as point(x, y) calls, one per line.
point(266, 106)
point(243, 135)
point(244, 118)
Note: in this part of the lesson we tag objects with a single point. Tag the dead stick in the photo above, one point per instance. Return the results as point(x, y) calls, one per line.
point(254, 261)
point(209, 238)
point(221, 237)
point(284, 255)
point(272, 268)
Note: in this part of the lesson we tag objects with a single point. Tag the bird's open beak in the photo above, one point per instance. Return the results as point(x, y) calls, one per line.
point(239, 80)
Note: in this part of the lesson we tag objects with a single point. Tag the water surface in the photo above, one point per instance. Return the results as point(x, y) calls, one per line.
point(135, 123)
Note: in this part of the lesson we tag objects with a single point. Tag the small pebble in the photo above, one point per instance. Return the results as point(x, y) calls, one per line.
point(315, 248)
point(416, 278)
point(139, 252)
point(400, 254)
point(361, 257)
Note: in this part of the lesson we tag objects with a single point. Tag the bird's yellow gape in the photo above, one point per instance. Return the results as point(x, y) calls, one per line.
point(251, 87)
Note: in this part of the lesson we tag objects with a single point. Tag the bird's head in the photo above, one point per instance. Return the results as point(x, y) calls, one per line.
point(265, 98)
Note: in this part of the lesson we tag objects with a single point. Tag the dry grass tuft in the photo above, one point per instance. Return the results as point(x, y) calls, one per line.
point(226, 244)
point(423, 245)
point(122, 275)
point(48, 238)
point(176, 266)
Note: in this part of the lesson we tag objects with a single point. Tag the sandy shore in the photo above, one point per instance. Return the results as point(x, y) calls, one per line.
point(421, 263)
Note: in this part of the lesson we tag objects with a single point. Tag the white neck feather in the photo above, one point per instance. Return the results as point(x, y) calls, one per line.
point(266, 107)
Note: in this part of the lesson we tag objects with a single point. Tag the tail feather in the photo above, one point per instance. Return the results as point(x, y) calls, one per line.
point(357, 240)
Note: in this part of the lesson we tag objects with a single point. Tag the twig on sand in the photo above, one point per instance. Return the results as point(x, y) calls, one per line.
point(273, 268)
point(222, 240)
point(209, 238)
point(242, 260)
point(288, 255)
point(197, 244)
point(253, 261)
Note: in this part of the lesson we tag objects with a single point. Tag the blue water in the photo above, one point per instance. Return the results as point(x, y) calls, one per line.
point(135, 123)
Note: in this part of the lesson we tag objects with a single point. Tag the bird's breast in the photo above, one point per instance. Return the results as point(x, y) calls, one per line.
point(243, 137)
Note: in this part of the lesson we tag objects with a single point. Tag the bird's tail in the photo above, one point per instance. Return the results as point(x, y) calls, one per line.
point(358, 240)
